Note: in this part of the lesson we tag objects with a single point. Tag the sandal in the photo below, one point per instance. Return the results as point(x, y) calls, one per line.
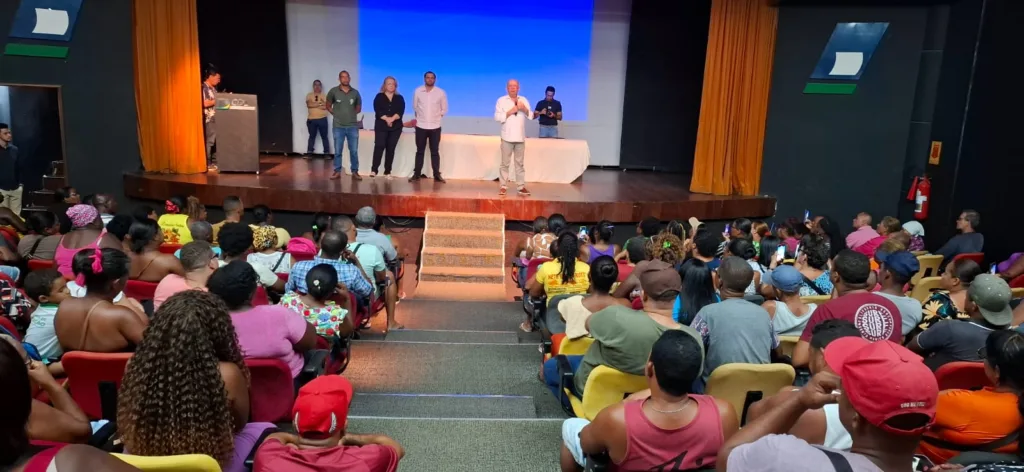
point(526, 327)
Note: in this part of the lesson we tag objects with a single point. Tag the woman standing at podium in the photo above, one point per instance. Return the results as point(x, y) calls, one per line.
point(316, 120)
point(388, 108)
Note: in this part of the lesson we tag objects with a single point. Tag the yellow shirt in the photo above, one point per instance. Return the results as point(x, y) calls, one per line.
point(175, 228)
point(316, 105)
point(550, 275)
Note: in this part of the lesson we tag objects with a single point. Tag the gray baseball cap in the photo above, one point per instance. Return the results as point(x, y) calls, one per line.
point(992, 295)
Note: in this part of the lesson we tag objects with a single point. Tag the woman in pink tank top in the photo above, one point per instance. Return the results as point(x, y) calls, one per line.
point(86, 233)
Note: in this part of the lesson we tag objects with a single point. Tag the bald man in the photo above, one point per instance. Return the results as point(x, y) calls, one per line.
point(863, 232)
point(513, 111)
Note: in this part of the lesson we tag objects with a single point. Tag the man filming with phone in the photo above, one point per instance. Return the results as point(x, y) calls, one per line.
point(549, 112)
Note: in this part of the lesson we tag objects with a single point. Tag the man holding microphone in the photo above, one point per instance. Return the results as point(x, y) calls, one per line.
point(513, 111)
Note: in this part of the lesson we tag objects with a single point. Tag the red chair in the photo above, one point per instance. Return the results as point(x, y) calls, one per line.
point(1017, 282)
point(978, 257)
point(271, 390)
point(8, 325)
point(10, 236)
point(40, 264)
point(283, 277)
point(531, 268)
point(302, 256)
point(140, 290)
point(260, 298)
point(962, 375)
point(168, 248)
point(94, 379)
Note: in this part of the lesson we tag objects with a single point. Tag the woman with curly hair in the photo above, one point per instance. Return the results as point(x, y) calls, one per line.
point(186, 389)
point(665, 247)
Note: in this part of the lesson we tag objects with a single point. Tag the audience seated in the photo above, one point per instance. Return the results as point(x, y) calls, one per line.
point(768, 252)
point(334, 253)
point(94, 322)
point(787, 232)
point(67, 197)
point(828, 229)
point(895, 272)
point(201, 231)
point(47, 288)
point(698, 291)
point(950, 303)
point(988, 305)
point(967, 240)
point(623, 337)
point(632, 254)
point(982, 420)
point(16, 453)
point(235, 244)
point(148, 264)
point(813, 264)
point(788, 312)
point(862, 232)
point(665, 247)
point(734, 330)
point(820, 426)
point(664, 428)
point(889, 226)
point(264, 217)
point(536, 244)
point(365, 220)
point(372, 260)
point(43, 237)
point(264, 332)
point(574, 311)
point(915, 230)
point(9, 260)
point(758, 231)
point(199, 262)
point(705, 248)
point(120, 226)
point(233, 211)
point(875, 316)
point(106, 205)
point(564, 275)
point(744, 249)
point(887, 401)
point(174, 223)
point(267, 252)
point(319, 307)
point(600, 242)
point(186, 389)
point(143, 212)
point(321, 222)
point(86, 233)
point(321, 441)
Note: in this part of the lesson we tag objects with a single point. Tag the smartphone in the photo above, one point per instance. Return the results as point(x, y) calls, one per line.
point(727, 228)
point(920, 463)
point(807, 215)
point(780, 253)
point(993, 269)
point(583, 233)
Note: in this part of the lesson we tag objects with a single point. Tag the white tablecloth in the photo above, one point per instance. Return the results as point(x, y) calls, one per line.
point(473, 157)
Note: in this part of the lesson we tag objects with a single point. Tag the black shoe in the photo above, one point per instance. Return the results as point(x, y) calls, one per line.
point(414, 178)
point(438, 178)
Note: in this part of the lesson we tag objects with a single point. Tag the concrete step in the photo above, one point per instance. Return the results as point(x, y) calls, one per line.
point(463, 238)
point(463, 257)
point(485, 275)
point(473, 221)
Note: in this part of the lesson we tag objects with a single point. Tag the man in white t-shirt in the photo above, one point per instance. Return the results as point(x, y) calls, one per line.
point(513, 111)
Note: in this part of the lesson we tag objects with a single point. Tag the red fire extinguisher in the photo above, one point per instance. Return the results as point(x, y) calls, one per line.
point(920, 193)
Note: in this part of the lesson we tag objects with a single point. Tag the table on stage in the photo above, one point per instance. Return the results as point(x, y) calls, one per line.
point(476, 157)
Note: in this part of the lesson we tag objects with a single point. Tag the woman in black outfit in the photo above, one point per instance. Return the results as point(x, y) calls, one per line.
point(388, 107)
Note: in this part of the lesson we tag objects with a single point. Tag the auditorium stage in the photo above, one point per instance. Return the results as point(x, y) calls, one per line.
point(295, 184)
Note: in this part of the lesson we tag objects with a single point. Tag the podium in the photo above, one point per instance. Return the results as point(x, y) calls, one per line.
point(238, 134)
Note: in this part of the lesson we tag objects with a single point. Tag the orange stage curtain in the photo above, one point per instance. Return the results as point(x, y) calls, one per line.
point(168, 93)
point(737, 77)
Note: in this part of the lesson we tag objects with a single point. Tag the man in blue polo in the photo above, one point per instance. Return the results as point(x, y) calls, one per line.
point(345, 104)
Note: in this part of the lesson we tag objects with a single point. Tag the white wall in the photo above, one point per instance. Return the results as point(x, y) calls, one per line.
point(323, 40)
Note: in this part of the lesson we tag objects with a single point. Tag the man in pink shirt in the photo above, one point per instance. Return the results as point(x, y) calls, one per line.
point(863, 232)
point(199, 261)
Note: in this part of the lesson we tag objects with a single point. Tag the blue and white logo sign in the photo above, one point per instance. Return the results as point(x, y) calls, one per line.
point(848, 51)
point(51, 20)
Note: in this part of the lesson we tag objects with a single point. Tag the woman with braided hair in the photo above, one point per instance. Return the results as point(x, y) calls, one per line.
point(565, 275)
point(186, 389)
point(665, 247)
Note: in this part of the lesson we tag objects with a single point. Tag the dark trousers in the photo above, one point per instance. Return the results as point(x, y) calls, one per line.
point(422, 136)
point(384, 142)
point(210, 130)
point(314, 127)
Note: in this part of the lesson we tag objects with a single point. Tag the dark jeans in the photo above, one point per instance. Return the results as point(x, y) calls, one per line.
point(552, 380)
point(210, 130)
point(384, 142)
point(422, 136)
point(314, 127)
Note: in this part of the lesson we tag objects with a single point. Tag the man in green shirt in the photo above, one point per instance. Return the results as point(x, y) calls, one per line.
point(345, 103)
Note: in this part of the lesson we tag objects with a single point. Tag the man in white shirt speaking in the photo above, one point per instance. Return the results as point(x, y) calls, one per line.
point(430, 104)
point(513, 111)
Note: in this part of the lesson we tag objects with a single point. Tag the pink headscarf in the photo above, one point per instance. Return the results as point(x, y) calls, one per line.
point(97, 265)
point(82, 215)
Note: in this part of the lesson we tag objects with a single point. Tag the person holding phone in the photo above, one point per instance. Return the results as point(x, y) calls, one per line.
point(549, 112)
point(316, 118)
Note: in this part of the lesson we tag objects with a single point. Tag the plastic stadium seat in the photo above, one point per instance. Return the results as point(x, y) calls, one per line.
point(168, 248)
point(140, 290)
point(10, 236)
point(271, 390)
point(788, 343)
point(183, 463)
point(260, 298)
point(40, 264)
point(531, 268)
point(962, 375)
point(818, 299)
point(1017, 282)
point(978, 257)
point(924, 288)
point(929, 264)
point(743, 384)
point(283, 277)
point(575, 347)
point(605, 387)
point(94, 379)
point(8, 325)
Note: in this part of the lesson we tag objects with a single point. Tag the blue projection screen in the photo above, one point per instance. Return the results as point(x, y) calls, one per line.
point(475, 47)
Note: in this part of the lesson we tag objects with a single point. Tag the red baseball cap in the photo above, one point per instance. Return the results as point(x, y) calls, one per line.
point(322, 405)
point(882, 380)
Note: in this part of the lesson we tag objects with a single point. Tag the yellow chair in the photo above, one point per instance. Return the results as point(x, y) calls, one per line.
point(575, 347)
point(919, 253)
point(1017, 292)
point(924, 288)
point(818, 299)
point(182, 463)
point(605, 387)
point(788, 343)
point(743, 384)
point(929, 267)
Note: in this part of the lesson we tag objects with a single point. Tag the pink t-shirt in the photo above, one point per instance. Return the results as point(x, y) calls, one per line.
point(170, 285)
point(277, 457)
point(270, 332)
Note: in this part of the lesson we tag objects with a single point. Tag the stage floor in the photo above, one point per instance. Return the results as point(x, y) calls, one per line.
point(296, 184)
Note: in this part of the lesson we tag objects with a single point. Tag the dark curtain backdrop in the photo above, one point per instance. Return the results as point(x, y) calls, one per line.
point(35, 122)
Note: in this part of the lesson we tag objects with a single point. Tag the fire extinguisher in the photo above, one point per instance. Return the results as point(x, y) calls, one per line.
point(920, 193)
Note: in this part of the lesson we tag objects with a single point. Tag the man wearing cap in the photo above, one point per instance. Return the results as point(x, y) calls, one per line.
point(988, 304)
point(788, 311)
point(895, 272)
point(886, 401)
point(623, 337)
point(319, 416)
point(734, 330)
point(875, 316)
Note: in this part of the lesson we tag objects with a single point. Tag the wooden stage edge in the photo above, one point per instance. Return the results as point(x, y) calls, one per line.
point(298, 185)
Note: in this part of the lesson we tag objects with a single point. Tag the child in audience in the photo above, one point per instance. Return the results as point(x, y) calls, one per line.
point(47, 288)
point(318, 306)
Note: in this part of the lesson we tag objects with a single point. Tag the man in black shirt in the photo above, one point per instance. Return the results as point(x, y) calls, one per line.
point(967, 241)
point(549, 111)
point(10, 171)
